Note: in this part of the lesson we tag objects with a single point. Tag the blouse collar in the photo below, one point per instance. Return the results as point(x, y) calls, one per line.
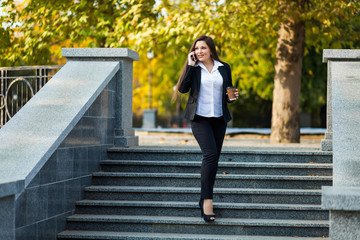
point(217, 64)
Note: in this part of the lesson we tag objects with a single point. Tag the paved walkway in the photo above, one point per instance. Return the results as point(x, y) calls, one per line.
point(233, 140)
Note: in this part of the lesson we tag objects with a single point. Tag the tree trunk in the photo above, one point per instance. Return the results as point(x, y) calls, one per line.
point(285, 122)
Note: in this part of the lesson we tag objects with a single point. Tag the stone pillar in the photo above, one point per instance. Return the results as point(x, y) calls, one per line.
point(123, 131)
point(343, 198)
point(149, 118)
point(326, 144)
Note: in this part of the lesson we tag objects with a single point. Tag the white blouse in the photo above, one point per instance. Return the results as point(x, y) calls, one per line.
point(209, 103)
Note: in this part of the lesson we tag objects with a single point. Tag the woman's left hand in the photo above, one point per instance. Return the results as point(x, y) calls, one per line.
point(236, 93)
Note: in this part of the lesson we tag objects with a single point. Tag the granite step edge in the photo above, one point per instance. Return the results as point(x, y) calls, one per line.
point(177, 204)
point(219, 176)
point(258, 151)
point(197, 221)
point(102, 235)
point(143, 189)
point(221, 164)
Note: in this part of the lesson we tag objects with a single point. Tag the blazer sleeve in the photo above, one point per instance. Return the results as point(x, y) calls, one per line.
point(187, 81)
point(229, 81)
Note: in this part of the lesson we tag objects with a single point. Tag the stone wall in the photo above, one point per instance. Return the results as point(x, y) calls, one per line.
point(41, 210)
point(50, 148)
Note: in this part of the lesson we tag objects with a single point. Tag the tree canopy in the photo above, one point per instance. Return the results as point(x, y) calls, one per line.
point(245, 31)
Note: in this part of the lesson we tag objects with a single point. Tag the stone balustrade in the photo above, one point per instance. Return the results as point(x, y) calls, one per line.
point(343, 198)
point(50, 148)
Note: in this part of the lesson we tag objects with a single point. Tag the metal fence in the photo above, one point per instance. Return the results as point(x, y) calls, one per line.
point(18, 85)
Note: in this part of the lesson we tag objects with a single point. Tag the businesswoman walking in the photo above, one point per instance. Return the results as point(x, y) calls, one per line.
point(207, 79)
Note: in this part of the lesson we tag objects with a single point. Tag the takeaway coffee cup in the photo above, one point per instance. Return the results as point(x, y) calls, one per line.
point(231, 93)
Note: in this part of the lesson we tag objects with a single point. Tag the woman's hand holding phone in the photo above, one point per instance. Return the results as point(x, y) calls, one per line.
point(192, 58)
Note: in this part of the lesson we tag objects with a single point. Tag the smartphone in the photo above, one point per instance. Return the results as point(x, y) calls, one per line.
point(195, 58)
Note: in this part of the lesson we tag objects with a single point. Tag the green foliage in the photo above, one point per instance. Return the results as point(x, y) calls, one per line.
point(246, 35)
point(89, 23)
point(4, 44)
point(313, 84)
point(245, 32)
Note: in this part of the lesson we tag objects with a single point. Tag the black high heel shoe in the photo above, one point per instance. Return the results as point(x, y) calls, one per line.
point(207, 218)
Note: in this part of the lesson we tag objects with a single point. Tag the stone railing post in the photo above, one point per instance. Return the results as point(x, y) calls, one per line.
point(123, 130)
point(343, 198)
point(326, 144)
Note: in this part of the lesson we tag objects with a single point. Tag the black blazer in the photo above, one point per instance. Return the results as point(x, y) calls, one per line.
point(192, 81)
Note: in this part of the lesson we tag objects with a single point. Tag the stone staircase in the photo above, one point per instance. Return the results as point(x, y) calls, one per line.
point(153, 193)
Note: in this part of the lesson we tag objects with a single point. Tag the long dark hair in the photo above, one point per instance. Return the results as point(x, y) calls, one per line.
point(211, 44)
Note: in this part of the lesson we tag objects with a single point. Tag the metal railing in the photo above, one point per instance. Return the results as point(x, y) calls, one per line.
point(19, 84)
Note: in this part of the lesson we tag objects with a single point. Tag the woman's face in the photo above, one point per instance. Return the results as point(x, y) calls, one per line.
point(202, 51)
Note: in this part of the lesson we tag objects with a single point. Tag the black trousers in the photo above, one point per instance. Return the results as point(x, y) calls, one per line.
point(209, 133)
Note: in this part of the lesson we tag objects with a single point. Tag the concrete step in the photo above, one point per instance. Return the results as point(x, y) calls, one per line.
point(101, 235)
point(191, 209)
point(153, 193)
point(195, 225)
point(177, 154)
point(261, 168)
point(191, 194)
point(222, 180)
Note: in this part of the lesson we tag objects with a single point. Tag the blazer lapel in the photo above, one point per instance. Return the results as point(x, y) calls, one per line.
point(198, 80)
point(223, 73)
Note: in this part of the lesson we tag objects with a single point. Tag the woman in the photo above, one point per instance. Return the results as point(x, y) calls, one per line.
point(207, 78)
